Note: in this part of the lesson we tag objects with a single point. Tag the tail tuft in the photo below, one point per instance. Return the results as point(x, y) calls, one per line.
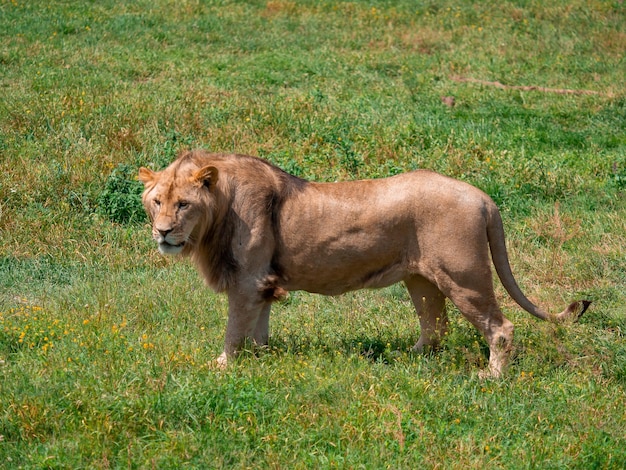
point(586, 304)
point(574, 311)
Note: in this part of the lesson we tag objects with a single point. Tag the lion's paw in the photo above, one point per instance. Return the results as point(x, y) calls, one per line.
point(222, 361)
point(489, 374)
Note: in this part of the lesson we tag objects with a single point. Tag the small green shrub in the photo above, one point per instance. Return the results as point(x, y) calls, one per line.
point(120, 201)
point(619, 175)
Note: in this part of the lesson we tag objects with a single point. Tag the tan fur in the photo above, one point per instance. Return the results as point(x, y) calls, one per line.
point(256, 232)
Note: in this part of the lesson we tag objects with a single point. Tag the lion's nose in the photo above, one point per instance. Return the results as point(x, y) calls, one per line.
point(164, 232)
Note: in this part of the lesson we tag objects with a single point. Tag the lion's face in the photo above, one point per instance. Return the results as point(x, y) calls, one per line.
point(178, 201)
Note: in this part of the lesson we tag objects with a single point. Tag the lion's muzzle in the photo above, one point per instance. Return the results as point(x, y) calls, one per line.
point(167, 246)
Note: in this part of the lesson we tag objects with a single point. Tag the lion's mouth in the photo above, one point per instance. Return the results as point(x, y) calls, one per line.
point(169, 248)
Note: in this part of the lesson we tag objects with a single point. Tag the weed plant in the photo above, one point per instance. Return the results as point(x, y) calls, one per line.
point(106, 347)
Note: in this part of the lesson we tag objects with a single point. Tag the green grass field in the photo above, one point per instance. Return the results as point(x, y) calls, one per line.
point(106, 346)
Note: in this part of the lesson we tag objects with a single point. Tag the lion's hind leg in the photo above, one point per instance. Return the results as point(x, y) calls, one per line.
point(429, 304)
point(498, 332)
point(477, 302)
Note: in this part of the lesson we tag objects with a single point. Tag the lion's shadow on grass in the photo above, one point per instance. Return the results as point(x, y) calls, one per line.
point(372, 348)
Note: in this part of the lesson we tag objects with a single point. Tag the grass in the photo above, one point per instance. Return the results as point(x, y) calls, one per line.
point(105, 346)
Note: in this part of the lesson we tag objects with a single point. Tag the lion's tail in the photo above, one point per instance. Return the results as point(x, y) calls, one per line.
point(497, 245)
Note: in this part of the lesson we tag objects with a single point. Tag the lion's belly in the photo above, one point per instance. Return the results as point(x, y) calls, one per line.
point(335, 282)
point(345, 262)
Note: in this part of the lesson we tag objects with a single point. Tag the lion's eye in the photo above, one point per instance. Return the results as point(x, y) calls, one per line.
point(157, 203)
point(183, 205)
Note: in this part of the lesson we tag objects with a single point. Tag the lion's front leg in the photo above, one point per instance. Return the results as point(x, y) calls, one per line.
point(248, 318)
point(262, 328)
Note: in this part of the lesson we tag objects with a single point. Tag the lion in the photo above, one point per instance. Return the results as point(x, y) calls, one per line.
point(256, 232)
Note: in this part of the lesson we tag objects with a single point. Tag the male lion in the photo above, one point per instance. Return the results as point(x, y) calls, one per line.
point(257, 232)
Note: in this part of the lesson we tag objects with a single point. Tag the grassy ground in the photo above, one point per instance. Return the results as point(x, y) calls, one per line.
point(104, 344)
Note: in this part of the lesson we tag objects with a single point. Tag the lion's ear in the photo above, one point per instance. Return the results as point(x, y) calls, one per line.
point(146, 175)
point(206, 176)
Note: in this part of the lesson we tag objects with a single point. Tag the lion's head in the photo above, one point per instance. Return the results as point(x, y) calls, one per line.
point(179, 201)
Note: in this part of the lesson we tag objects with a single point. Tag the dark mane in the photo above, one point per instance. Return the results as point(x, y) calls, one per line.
point(244, 181)
point(214, 254)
